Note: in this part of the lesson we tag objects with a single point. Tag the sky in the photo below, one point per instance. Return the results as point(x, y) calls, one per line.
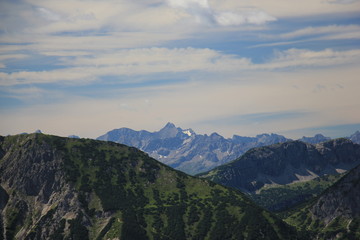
point(239, 67)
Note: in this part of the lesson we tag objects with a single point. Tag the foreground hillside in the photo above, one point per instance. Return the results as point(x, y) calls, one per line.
point(278, 198)
point(62, 188)
point(335, 214)
point(282, 172)
point(286, 163)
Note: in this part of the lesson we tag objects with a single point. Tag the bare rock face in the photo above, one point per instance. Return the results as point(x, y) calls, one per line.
point(355, 137)
point(335, 214)
point(341, 200)
point(32, 183)
point(286, 163)
point(318, 138)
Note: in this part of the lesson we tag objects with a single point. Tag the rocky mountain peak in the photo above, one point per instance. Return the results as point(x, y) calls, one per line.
point(355, 137)
point(169, 125)
point(215, 135)
point(168, 131)
point(318, 138)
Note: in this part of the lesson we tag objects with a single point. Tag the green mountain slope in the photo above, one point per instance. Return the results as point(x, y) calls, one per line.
point(282, 197)
point(62, 188)
point(335, 214)
point(277, 176)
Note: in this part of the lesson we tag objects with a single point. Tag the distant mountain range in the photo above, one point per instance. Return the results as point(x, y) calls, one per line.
point(193, 153)
point(187, 151)
point(286, 163)
point(318, 138)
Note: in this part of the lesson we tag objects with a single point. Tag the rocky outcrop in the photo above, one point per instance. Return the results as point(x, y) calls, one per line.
point(355, 137)
point(335, 214)
point(341, 200)
point(34, 190)
point(318, 138)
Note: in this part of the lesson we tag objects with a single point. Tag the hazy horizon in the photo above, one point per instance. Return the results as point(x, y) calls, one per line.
point(233, 67)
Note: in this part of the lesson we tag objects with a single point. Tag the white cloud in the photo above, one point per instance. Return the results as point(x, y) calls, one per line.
point(307, 58)
point(289, 9)
point(48, 15)
point(27, 94)
point(338, 30)
point(130, 62)
point(71, 75)
point(147, 61)
point(12, 56)
point(251, 16)
point(65, 53)
point(91, 44)
point(189, 103)
point(203, 13)
point(93, 40)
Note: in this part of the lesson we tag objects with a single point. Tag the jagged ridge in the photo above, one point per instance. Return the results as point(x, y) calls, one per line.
point(187, 151)
point(286, 163)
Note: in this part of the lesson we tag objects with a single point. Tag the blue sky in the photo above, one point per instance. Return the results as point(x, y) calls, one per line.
point(233, 67)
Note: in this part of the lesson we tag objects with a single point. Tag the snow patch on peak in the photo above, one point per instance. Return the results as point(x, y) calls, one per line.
point(188, 132)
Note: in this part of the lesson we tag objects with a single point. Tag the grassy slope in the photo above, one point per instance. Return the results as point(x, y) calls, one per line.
point(148, 200)
point(283, 197)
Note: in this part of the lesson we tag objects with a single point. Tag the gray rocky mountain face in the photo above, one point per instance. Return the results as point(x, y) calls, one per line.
point(341, 200)
point(286, 163)
point(187, 151)
point(318, 138)
point(193, 153)
point(335, 214)
point(355, 137)
point(32, 181)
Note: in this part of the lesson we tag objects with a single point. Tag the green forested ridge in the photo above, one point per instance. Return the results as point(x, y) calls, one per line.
point(102, 190)
point(277, 177)
point(282, 197)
